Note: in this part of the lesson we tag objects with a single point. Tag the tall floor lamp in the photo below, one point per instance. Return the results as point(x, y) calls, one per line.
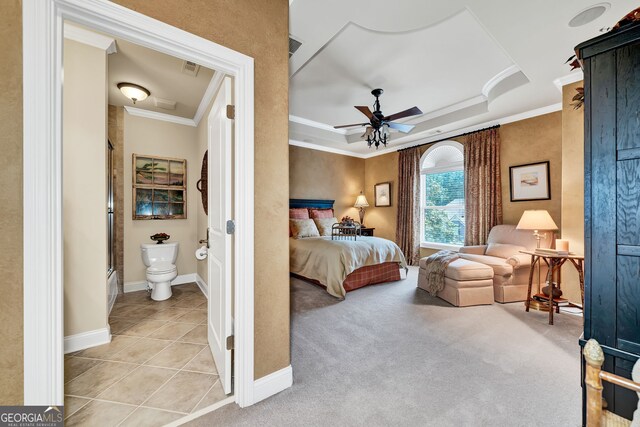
point(537, 220)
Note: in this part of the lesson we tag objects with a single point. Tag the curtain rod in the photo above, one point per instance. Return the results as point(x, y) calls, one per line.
point(448, 138)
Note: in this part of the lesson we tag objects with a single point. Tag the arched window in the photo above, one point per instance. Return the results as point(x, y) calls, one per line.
point(442, 196)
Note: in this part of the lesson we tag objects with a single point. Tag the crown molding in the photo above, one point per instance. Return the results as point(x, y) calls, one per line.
point(472, 128)
point(160, 116)
point(318, 147)
point(212, 89)
point(317, 125)
point(530, 114)
point(90, 38)
point(573, 77)
point(210, 93)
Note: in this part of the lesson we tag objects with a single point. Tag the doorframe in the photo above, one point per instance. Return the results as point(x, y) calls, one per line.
point(42, 22)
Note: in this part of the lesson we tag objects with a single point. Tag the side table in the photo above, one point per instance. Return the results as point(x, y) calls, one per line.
point(555, 263)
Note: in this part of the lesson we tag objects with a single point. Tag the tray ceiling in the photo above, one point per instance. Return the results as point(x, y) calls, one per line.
point(463, 62)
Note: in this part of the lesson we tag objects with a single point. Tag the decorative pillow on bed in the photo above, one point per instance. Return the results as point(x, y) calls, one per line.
point(301, 228)
point(299, 213)
point(324, 225)
point(321, 213)
point(503, 250)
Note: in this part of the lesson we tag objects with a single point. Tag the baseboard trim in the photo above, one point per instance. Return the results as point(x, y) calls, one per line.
point(272, 384)
point(88, 339)
point(204, 287)
point(201, 412)
point(142, 285)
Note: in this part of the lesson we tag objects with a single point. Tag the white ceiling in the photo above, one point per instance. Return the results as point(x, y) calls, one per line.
point(161, 74)
point(464, 63)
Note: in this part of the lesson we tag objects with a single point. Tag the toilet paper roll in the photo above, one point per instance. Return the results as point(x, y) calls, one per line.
point(201, 252)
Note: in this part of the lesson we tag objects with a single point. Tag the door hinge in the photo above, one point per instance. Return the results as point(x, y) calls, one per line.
point(231, 112)
point(230, 342)
point(231, 227)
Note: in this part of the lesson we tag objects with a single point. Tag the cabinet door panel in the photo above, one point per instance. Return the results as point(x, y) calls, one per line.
point(603, 199)
point(628, 105)
point(628, 196)
point(628, 309)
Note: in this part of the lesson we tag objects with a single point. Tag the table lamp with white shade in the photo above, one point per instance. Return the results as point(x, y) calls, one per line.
point(536, 220)
point(361, 203)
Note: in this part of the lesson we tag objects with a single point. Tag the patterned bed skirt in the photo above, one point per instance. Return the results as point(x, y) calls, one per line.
point(369, 275)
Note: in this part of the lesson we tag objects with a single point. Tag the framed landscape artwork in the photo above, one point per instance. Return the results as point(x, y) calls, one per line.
point(159, 187)
point(383, 194)
point(530, 182)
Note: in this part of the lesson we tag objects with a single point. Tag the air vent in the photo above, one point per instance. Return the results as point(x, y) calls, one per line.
point(190, 68)
point(294, 45)
point(166, 104)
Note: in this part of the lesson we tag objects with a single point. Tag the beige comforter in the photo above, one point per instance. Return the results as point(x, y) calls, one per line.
point(331, 261)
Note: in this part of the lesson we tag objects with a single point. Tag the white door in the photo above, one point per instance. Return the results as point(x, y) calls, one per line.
point(220, 241)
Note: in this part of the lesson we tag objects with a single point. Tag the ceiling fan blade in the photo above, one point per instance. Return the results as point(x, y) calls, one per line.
point(414, 111)
point(364, 110)
point(348, 126)
point(401, 127)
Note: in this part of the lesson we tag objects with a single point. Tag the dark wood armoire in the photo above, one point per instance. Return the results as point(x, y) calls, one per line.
point(611, 66)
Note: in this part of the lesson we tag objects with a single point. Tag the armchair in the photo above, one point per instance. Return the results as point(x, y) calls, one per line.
point(510, 267)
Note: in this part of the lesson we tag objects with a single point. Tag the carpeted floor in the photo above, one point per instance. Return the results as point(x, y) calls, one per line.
point(392, 355)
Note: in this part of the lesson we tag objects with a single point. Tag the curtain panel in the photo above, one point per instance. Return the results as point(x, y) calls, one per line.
point(408, 231)
point(482, 187)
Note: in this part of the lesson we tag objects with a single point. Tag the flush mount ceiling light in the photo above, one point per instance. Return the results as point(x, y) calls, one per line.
point(589, 14)
point(133, 91)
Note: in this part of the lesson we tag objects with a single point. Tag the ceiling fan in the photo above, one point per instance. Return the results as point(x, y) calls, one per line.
point(378, 126)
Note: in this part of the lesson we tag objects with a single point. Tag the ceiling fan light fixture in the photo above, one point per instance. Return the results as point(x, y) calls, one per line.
point(377, 132)
point(133, 91)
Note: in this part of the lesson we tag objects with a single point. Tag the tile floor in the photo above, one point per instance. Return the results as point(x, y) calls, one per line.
point(157, 368)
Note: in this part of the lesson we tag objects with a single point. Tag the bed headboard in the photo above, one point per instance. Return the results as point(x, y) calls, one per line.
point(311, 203)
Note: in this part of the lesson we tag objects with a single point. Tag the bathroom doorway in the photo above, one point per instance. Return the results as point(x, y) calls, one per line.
point(43, 353)
point(171, 319)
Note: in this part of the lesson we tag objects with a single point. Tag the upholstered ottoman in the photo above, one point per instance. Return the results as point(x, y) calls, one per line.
point(465, 283)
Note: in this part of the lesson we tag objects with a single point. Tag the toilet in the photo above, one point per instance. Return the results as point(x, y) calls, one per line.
point(161, 270)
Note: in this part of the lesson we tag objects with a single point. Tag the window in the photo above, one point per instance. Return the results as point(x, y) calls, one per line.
point(442, 196)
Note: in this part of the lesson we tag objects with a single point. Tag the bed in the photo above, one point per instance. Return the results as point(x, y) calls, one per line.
point(341, 266)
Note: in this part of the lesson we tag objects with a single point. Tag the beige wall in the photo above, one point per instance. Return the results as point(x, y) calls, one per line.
point(84, 178)
point(259, 29)
point(157, 138)
point(316, 174)
point(572, 187)
point(530, 141)
point(376, 170)
point(11, 365)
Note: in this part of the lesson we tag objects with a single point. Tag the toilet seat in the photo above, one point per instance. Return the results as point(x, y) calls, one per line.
point(161, 268)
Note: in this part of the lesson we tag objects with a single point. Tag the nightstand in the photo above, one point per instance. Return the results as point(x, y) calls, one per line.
point(366, 231)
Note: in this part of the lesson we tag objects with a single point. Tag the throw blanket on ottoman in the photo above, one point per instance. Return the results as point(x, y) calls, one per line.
point(435, 266)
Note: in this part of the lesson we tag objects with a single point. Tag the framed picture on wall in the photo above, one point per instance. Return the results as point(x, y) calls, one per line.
point(383, 194)
point(159, 187)
point(530, 182)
